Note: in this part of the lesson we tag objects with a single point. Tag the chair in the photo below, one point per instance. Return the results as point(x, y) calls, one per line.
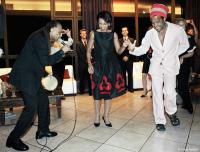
point(69, 84)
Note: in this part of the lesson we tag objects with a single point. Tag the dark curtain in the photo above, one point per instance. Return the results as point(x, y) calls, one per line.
point(191, 11)
point(90, 9)
point(2, 22)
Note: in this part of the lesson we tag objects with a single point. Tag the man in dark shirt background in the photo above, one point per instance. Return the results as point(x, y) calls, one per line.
point(81, 48)
point(126, 60)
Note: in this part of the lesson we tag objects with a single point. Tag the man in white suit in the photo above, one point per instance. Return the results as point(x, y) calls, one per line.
point(167, 41)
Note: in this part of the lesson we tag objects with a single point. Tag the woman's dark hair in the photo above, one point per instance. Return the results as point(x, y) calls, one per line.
point(51, 24)
point(106, 16)
point(189, 27)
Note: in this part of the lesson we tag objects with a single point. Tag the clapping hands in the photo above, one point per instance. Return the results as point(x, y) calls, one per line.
point(126, 43)
point(131, 46)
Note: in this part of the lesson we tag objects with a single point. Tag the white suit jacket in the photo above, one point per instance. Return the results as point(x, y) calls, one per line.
point(167, 55)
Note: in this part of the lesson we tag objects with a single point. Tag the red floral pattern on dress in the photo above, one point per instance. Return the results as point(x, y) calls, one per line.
point(120, 83)
point(105, 86)
point(92, 82)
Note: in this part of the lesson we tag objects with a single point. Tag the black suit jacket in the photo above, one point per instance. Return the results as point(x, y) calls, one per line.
point(126, 51)
point(29, 68)
point(81, 52)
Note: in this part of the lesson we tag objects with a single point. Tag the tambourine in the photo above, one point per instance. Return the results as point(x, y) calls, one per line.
point(49, 82)
point(1, 52)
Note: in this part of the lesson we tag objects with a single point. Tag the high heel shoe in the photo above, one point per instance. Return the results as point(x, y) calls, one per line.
point(96, 124)
point(108, 125)
point(142, 96)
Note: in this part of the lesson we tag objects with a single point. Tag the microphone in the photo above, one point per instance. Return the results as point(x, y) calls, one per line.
point(61, 41)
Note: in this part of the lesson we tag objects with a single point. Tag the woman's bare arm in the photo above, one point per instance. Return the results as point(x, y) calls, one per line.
point(89, 51)
point(119, 49)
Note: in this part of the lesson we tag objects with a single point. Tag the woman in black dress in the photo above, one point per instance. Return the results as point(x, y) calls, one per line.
point(186, 60)
point(106, 74)
point(145, 70)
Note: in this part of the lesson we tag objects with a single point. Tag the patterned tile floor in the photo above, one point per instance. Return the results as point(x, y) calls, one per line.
point(133, 128)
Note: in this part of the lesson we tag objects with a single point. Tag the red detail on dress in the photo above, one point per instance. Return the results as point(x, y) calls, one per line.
point(120, 82)
point(105, 85)
point(92, 82)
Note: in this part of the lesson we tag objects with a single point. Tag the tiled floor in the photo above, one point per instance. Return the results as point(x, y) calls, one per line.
point(133, 128)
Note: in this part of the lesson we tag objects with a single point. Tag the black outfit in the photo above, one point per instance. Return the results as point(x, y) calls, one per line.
point(58, 71)
point(84, 77)
point(107, 80)
point(183, 77)
point(26, 76)
point(127, 66)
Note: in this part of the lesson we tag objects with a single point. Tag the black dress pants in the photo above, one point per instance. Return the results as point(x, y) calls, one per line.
point(37, 104)
point(183, 85)
point(58, 71)
point(84, 78)
point(128, 66)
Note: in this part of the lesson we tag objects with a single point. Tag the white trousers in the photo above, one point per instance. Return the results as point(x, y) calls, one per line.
point(164, 96)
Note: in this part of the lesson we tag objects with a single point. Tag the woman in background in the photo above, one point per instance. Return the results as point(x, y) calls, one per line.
point(145, 70)
point(186, 60)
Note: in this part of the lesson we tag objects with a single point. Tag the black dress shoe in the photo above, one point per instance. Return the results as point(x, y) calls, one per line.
point(40, 134)
point(189, 109)
point(131, 90)
point(90, 93)
point(17, 145)
point(96, 124)
point(109, 124)
point(160, 127)
point(174, 120)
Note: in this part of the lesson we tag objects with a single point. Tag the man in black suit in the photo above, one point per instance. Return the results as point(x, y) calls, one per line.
point(26, 76)
point(81, 48)
point(126, 60)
